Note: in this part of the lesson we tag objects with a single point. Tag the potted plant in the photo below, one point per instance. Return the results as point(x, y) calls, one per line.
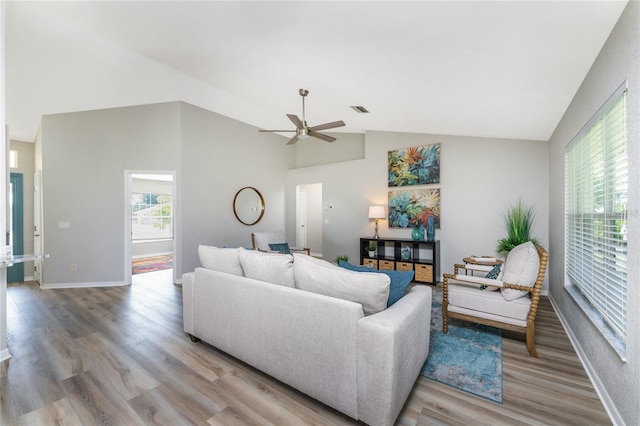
point(372, 248)
point(343, 257)
point(518, 221)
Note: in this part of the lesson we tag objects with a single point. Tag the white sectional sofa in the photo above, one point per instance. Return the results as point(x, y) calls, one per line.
point(344, 348)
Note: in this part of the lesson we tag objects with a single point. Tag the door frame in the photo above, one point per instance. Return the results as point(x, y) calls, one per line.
point(15, 273)
point(128, 264)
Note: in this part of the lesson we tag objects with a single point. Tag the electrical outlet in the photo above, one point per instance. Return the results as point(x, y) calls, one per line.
point(74, 267)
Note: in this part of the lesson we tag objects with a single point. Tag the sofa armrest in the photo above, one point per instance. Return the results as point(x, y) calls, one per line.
point(392, 347)
point(188, 281)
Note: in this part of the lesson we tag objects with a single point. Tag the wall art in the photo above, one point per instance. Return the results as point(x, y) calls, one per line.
point(418, 165)
point(411, 208)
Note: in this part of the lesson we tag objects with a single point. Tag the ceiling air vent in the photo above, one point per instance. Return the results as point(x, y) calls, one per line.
point(359, 109)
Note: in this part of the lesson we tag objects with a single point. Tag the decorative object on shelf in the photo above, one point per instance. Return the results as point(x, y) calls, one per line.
point(410, 208)
point(342, 257)
point(431, 229)
point(418, 233)
point(372, 248)
point(377, 213)
point(518, 221)
point(405, 253)
point(418, 165)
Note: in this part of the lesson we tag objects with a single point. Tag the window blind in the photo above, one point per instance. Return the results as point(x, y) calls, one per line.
point(596, 211)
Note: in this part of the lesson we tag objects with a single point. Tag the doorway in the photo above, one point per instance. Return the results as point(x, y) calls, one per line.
point(15, 273)
point(309, 217)
point(150, 217)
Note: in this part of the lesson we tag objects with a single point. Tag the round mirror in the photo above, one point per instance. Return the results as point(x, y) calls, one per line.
point(248, 205)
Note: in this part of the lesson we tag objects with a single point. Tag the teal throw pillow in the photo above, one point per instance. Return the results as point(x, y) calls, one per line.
point(492, 274)
point(399, 280)
point(281, 247)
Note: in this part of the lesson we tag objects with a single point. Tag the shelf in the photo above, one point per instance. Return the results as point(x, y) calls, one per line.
point(423, 257)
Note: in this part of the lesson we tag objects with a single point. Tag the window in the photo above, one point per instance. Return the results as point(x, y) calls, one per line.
point(13, 159)
point(596, 213)
point(151, 216)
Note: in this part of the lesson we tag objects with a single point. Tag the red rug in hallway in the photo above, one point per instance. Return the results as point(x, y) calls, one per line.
point(152, 264)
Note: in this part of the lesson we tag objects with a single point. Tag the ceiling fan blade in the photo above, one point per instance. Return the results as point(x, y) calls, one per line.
point(293, 140)
point(277, 131)
point(321, 136)
point(294, 118)
point(326, 126)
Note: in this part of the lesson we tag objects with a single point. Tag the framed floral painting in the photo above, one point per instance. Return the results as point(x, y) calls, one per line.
point(418, 165)
point(411, 208)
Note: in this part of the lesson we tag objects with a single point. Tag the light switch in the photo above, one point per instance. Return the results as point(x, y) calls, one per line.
point(64, 225)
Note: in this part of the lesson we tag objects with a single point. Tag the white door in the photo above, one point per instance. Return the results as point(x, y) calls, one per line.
point(301, 218)
point(37, 226)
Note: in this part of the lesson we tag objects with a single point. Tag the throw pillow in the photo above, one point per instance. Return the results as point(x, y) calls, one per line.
point(280, 247)
point(521, 267)
point(220, 259)
point(493, 274)
point(275, 268)
point(399, 280)
point(370, 290)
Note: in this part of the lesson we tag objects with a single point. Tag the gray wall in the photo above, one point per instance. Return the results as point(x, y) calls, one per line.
point(85, 154)
point(619, 60)
point(480, 178)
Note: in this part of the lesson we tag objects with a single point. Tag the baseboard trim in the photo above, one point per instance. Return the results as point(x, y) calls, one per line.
point(606, 400)
point(5, 355)
point(83, 285)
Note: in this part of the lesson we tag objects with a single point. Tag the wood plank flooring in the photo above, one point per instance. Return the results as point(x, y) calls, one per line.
point(118, 356)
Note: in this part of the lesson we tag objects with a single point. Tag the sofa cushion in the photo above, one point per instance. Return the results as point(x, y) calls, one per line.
point(220, 259)
point(275, 268)
point(370, 289)
point(399, 280)
point(494, 274)
point(521, 267)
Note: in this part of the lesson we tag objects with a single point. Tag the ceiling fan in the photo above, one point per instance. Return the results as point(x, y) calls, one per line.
point(302, 130)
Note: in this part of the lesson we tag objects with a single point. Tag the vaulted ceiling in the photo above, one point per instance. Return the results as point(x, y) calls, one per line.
point(483, 68)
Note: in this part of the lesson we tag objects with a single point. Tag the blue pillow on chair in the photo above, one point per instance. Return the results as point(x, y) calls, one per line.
point(281, 247)
point(492, 274)
point(399, 280)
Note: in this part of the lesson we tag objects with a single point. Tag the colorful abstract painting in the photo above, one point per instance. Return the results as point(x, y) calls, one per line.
point(411, 208)
point(418, 165)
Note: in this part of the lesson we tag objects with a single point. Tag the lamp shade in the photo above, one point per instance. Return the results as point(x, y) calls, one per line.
point(377, 212)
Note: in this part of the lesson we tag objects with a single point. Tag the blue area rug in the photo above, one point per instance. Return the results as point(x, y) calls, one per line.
point(468, 357)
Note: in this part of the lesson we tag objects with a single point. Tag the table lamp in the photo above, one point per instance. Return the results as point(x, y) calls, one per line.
point(376, 212)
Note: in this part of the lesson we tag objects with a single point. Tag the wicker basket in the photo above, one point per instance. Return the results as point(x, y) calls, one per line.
point(387, 265)
point(372, 262)
point(404, 266)
point(424, 273)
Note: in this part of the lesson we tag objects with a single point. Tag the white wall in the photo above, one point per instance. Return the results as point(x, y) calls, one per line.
point(617, 381)
point(480, 179)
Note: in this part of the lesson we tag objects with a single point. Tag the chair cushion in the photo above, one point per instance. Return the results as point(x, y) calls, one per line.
point(399, 280)
point(220, 259)
point(262, 239)
point(275, 268)
point(471, 297)
point(280, 247)
point(521, 267)
point(371, 290)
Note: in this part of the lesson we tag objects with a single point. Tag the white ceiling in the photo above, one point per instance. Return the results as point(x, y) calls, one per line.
point(482, 68)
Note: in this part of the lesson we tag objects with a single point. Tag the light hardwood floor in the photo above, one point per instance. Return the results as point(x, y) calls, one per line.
point(118, 356)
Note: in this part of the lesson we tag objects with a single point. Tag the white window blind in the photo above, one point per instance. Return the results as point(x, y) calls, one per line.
point(596, 211)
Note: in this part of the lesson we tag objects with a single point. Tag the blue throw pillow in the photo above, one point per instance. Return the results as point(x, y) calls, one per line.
point(399, 280)
point(281, 247)
point(492, 274)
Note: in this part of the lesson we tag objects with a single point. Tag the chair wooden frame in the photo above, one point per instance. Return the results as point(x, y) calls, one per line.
point(304, 250)
point(534, 295)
